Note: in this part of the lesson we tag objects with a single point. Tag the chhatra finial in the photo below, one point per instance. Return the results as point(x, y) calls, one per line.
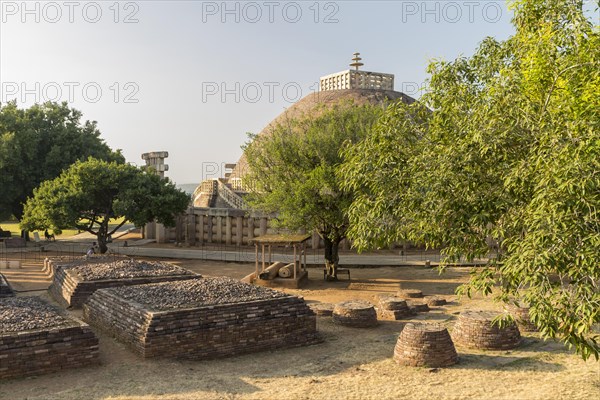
point(356, 61)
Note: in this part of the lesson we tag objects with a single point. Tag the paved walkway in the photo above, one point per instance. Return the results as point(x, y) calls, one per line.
point(239, 254)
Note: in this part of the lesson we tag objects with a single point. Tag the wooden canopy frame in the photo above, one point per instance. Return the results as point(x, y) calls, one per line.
point(298, 242)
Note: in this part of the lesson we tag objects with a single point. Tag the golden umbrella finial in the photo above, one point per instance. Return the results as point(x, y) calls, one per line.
point(356, 61)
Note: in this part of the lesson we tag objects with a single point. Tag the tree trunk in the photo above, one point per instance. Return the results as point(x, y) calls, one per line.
point(102, 243)
point(332, 257)
point(102, 236)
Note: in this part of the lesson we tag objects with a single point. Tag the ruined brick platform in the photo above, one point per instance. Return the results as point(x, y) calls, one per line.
point(36, 338)
point(355, 313)
point(5, 289)
point(474, 329)
point(74, 282)
point(51, 264)
point(410, 293)
point(202, 318)
point(322, 309)
point(393, 307)
point(520, 313)
point(435, 301)
point(425, 345)
point(417, 306)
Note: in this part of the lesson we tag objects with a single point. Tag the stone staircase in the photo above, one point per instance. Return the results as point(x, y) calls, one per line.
point(213, 193)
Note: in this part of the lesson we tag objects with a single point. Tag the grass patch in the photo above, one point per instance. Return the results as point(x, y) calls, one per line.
point(15, 230)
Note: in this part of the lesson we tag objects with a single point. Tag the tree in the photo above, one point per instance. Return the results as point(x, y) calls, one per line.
point(89, 194)
point(511, 152)
point(37, 143)
point(377, 172)
point(292, 172)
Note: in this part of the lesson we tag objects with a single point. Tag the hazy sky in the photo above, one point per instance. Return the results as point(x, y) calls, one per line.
point(192, 77)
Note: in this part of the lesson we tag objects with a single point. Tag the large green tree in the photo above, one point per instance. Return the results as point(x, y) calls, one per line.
point(37, 143)
point(512, 152)
point(293, 172)
point(89, 194)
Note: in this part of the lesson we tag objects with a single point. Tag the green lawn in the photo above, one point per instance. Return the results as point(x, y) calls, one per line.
point(14, 229)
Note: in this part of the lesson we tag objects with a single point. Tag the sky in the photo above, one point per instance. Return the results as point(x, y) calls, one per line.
point(193, 77)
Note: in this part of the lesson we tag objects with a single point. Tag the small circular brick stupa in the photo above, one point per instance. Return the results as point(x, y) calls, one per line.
point(410, 293)
point(322, 309)
point(425, 345)
point(474, 329)
point(355, 313)
point(417, 306)
point(521, 315)
point(436, 301)
point(393, 307)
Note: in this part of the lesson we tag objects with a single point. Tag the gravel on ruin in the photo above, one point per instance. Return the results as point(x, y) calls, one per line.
point(194, 293)
point(19, 314)
point(71, 261)
point(127, 268)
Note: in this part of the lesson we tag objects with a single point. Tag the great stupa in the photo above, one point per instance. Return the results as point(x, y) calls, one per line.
point(354, 84)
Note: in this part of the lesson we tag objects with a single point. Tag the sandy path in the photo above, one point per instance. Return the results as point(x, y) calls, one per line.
point(350, 364)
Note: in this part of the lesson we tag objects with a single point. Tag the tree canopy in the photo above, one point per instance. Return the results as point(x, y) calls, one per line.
point(90, 193)
point(511, 152)
point(37, 143)
point(293, 171)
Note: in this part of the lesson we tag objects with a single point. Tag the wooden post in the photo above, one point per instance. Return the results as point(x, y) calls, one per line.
point(263, 258)
point(270, 255)
point(304, 251)
point(294, 261)
point(239, 231)
point(256, 258)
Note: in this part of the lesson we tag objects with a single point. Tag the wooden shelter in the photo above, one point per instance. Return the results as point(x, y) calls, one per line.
point(265, 244)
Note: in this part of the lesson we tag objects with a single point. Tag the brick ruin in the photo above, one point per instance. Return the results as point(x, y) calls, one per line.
point(74, 282)
point(36, 338)
point(425, 345)
point(475, 329)
point(202, 319)
point(521, 315)
point(5, 289)
point(355, 313)
point(51, 264)
point(393, 307)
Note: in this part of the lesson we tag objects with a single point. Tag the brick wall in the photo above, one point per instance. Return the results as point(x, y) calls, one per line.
point(44, 351)
point(204, 332)
point(70, 291)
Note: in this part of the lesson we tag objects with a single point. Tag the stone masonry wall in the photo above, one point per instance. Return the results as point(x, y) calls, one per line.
point(44, 351)
point(204, 332)
point(70, 291)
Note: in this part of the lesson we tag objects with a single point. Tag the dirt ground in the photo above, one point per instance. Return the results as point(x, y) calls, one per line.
point(350, 364)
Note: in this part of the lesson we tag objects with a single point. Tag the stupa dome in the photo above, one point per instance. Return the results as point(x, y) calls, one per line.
point(354, 85)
